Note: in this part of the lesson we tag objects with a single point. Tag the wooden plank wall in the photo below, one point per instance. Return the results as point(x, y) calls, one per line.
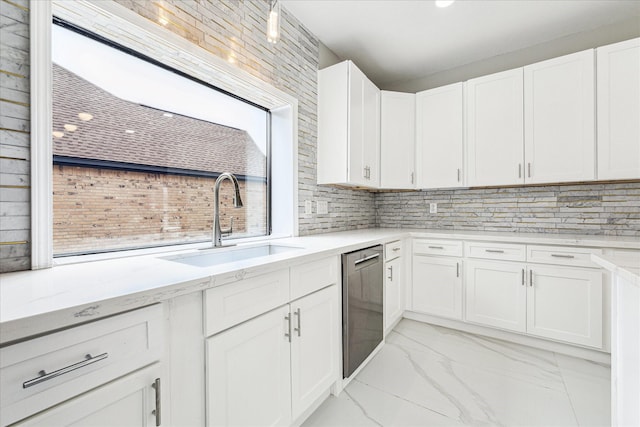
point(14, 136)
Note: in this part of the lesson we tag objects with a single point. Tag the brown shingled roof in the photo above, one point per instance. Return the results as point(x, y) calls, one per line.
point(177, 142)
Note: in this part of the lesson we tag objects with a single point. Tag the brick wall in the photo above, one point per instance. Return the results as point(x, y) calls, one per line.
point(609, 209)
point(111, 209)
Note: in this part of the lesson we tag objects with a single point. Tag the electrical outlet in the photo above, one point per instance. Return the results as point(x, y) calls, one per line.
point(308, 207)
point(322, 207)
point(433, 208)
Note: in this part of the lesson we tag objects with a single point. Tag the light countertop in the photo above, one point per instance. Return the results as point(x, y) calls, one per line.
point(626, 267)
point(33, 302)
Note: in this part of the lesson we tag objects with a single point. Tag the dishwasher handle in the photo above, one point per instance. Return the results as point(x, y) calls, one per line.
point(365, 259)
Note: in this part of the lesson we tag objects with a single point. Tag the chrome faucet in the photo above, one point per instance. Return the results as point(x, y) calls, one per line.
point(237, 202)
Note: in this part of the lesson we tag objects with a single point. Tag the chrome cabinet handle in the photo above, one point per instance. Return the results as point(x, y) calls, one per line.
point(531, 278)
point(412, 177)
point(288, 319)
point(494, 251)
point(395, 249)
point(436, 247)
point(529, 169)
point(298, 329)
point(458, 175)
point(157, 411)
point(44, 376)
point(457, 269)
point(519, 170)
point(562, 256)
point(523, 277)
point(390, 277)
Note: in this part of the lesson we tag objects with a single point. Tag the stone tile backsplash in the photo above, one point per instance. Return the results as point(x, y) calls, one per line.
point(609, 209)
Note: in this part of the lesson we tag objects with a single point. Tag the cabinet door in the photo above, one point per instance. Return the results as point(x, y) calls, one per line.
point(397, 140)
point(248, 373)
point(439, 132)
point(437, 286)
point(496, 294)
point(129, 401)
point(393, 298)
point(618, 86)
point(559, 119)
point(315, 350)
point(495, 129)
point(364, 132)
point(565, 303)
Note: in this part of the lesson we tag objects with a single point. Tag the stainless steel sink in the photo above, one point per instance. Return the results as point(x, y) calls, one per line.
point(219, 256)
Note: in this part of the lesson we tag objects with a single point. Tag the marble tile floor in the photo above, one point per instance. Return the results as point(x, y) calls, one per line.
point(427, 375)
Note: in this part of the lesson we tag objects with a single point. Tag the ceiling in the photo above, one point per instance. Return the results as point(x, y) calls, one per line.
point(399, 40)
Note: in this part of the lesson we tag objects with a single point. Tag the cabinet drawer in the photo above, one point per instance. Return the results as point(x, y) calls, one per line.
point(392, 250)
point(562, 255)
point(437, 247)
point(310, 277)
point(44, 371)
point(233, 303)
point(501, 251)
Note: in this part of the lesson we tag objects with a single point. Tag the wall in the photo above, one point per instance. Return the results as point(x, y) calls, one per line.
point(600, 36)
point(14, 136)
point(609, 209)
point(231, 29)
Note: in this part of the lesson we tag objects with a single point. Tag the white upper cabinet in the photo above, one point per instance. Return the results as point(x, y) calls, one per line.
point(439, 137)
point(397, 140)
point(495, 129)
point(618, 91)
point(348, 127)
point(559, 119)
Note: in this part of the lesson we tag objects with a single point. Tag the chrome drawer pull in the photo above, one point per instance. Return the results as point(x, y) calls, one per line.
point(494, 251)
point(395, 249)
point(156, 412)
point(436, 247)
point(298, 329)
point(523, 277)
point(47, 376)
point(562, 256)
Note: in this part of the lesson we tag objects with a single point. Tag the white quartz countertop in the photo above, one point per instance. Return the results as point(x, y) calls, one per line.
point(33, 302)
point(625, 267)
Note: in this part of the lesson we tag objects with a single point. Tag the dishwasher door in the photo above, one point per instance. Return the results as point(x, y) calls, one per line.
point(362, 281)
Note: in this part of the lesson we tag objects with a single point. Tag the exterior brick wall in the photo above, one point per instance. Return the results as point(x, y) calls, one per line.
point(112, 209)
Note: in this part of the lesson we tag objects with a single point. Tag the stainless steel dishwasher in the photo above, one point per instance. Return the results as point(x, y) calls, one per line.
point(362, 282)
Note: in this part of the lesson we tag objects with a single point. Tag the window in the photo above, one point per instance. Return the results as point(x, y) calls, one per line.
point(137, 147)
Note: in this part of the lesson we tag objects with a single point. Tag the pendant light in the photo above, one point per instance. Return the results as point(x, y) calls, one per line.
point(273, 22)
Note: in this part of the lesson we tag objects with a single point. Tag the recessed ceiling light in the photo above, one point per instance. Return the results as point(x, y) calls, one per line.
point(58, 134)
point(129, 131)
point(70, 128)
point(85, 117)
point(444, 3)
point(168, 115)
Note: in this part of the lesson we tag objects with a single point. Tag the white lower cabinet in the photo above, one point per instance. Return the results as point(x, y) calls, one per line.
point(496, 294)
point(561, 303)
point(565, 303)
point(393, 306)
point(129, 401)
point(270, 369)
point(437, 286)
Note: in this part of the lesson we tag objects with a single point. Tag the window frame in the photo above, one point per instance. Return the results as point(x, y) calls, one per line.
point(150, 40)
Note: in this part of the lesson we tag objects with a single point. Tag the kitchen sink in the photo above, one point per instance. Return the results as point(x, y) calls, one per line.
point(216, 256)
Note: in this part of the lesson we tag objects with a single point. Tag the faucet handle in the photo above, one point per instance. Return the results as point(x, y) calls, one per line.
point(229, 230)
